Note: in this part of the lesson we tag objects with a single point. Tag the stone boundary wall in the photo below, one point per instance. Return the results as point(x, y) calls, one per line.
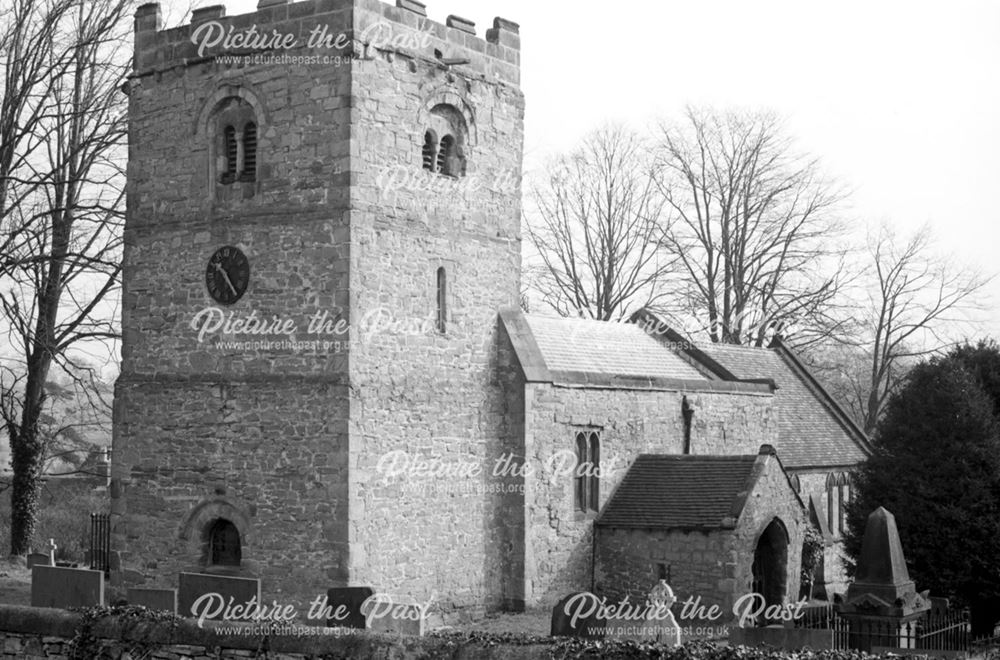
point(34, 633)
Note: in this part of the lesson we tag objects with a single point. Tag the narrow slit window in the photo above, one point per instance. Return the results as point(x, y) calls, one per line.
point(430, 151)
point(232, 151)
point(442, 300)
point(250, 151)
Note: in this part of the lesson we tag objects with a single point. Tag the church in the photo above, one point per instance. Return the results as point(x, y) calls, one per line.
point(321, 275)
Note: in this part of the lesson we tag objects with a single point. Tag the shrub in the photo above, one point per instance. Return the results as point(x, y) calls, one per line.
point(63, 514)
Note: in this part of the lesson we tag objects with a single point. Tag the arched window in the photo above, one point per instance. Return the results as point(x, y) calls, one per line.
point(579, 479)
point(232, 153)
point(445, 155)
point(586, 477)
point(249, 172)
point(224, 544)
point(430, 151)
point(593, 478)
point(796, 483)
point(442, 300)
point(832, 503)
point(843, 497)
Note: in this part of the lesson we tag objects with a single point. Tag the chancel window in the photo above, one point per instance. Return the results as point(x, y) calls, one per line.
point(843, 498)
point(833, 503)
point(586, 477)
point(687, 413)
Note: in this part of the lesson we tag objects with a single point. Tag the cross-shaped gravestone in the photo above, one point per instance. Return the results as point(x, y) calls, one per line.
point(52, 552)
point(660, 619)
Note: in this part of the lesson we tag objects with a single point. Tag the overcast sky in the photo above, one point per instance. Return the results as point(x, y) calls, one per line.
point(900, 100)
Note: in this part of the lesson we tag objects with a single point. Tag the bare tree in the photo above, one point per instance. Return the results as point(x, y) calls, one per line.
point(915, 298)
point(62, 214)
point(754, 229)
point(597, 229)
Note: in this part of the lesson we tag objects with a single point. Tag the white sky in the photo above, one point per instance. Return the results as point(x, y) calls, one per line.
point(900, 100)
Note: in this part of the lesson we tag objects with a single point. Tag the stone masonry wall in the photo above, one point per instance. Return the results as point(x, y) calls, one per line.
point(252, 432)
point(285, 437)
point(264, 455)
point(699, 564)
point(630, 422)
point(435, 396)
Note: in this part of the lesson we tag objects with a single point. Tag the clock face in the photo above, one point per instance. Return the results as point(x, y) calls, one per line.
point(227, 275)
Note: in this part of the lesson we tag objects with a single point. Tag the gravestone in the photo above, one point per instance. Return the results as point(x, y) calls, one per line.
point(660, 622)
point(574, 616)
point(386, 613)
point(344, 605)
point(154, 599)
point(37, 559)
point(882, 596)
point(192, 586)
point(653, 622)
point(53, 586)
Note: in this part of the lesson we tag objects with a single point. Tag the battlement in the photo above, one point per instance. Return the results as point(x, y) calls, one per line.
point(328, 29)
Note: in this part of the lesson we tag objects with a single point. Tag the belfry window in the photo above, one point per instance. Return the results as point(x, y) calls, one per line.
point(249, 171)
point(430, 151)
point(232, 154)
point(235, 153)
point(445, 155)
point(224, 544)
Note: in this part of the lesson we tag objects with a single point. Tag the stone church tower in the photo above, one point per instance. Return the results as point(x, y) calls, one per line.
point(323, 220)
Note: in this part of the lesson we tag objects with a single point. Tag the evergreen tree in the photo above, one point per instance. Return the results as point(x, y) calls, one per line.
point(936, 466)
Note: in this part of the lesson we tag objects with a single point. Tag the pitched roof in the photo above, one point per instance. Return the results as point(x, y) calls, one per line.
point(622, 349)
point(681, 492)
point(813, 431)
point(584, 352)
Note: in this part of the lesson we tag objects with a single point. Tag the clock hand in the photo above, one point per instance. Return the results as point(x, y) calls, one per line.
point(229, 282)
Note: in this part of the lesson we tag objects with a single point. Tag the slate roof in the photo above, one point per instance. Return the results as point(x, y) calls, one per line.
point(602, 347)
point(812, 430)
point(681, 492)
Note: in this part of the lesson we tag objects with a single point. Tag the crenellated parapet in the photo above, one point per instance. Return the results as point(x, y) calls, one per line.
point(326, 30)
